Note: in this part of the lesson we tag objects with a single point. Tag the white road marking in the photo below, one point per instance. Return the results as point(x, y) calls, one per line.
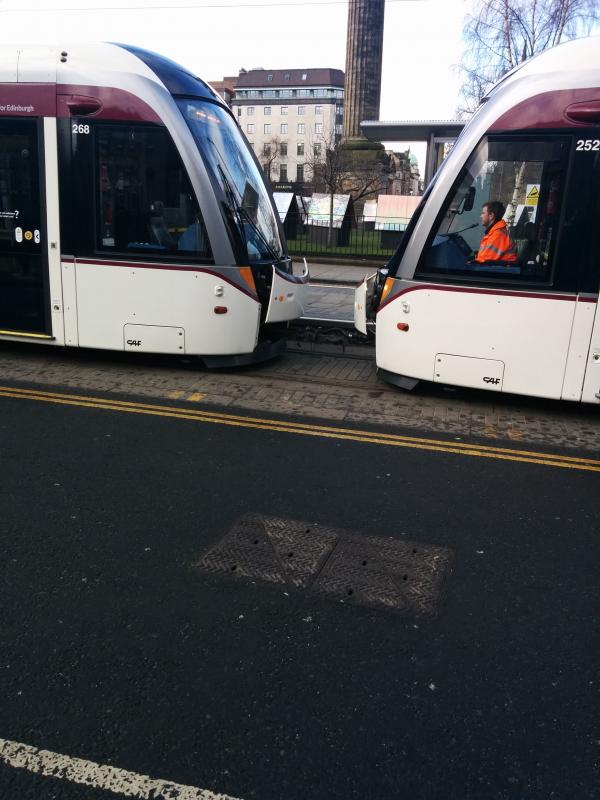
point(99, 776)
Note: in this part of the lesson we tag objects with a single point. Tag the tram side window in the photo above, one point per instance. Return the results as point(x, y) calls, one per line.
point(501, 221)
point(146, 204)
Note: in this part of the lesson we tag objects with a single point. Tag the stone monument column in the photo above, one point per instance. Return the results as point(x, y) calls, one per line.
point(364, 50)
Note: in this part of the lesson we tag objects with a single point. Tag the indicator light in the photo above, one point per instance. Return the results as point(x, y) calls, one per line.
point(387, 288)
point(248, 278)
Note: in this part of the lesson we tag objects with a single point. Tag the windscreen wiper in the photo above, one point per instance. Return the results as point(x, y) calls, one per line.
point(244, 216)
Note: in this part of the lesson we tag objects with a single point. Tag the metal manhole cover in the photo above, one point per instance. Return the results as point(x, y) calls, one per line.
point(388, 574)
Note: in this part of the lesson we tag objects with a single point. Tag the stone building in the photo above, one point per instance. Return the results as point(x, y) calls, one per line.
point(289, 115)
point(226, 88)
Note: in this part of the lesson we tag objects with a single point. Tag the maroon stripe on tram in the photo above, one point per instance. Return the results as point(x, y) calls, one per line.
point(494, 293)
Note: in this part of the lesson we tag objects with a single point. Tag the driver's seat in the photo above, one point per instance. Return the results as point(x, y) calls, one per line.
point(526, 243)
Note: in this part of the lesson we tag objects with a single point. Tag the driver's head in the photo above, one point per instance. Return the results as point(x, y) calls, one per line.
point(491, 212)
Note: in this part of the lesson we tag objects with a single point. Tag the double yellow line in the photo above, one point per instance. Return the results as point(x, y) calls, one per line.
point(306, 429)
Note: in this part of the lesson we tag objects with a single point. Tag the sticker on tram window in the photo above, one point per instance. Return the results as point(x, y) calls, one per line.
point(588, 144)
point(77, 128)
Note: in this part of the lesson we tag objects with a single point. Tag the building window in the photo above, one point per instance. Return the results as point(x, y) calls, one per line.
point(318, 127)
point(239, 111)
point(250, 127)
point(253, 93)
point(285, 93)
point(283, 128)
point(269, 77)
point(304, 92)
point(283, 172)
point(318, 109)
point(286, 77)
point(301, 110)
point(283, 149)
point(284, 111)
point(300, 127)
point(339, 92)
point(317, 150)
point(250, 111)
point(267, 127)
point(300, 149)
point(339, 129)
point(304, 76)
point(266, 149)
point(267, 170)
point(300, 172)
point(267, 110)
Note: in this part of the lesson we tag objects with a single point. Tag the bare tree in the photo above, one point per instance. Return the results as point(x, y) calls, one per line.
point(270, 156)
point(335, 169)
point(500, 34)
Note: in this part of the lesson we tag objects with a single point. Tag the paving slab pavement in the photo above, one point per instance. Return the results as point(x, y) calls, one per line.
point(344, 274)
point(309, 384)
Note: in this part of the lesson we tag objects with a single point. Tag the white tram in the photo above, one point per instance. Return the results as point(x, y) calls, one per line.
point(133, 213)
point(529, 325)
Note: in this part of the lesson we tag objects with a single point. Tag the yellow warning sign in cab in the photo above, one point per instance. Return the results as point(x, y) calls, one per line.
point(533, 194)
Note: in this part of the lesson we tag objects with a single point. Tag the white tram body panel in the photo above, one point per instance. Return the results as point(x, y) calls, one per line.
point(215, 297)
point(444, 323)
point(530, 327)
point(113, 298)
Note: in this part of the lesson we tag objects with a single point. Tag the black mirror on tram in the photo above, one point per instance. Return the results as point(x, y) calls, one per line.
point(469, 201)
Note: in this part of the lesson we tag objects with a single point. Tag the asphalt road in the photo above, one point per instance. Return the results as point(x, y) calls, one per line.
point(115, 648)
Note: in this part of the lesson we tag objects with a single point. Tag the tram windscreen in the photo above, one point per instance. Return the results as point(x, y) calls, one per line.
point(233, 169)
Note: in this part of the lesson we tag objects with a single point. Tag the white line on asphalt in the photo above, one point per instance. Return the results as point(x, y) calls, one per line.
point(99, 776)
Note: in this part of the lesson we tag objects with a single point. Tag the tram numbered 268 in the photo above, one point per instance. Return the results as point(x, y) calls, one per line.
point(529, 325)
point(133, 213)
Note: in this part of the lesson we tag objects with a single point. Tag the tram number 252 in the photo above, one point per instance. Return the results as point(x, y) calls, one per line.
point(588, 144)
point(86, 128)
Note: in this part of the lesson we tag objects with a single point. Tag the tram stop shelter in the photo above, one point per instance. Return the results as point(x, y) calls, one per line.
point(437, 134)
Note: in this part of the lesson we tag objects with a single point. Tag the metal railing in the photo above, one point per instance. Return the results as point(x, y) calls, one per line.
point(359, 238)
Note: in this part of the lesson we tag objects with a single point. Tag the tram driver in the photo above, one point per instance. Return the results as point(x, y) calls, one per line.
point(496, 244)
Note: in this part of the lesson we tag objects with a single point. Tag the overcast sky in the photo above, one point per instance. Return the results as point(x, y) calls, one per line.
point(213, 38)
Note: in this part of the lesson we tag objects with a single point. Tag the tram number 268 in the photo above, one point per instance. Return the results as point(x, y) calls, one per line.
point(77, 128)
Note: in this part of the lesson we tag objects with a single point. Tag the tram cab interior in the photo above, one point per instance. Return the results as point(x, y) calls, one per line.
point(527, 178)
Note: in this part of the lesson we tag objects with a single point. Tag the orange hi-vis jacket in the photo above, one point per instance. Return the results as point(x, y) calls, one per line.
point(496, 244)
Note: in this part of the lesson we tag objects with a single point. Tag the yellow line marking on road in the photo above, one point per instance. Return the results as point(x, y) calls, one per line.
point(195, 397)
point(307, 429)
point(176, 395)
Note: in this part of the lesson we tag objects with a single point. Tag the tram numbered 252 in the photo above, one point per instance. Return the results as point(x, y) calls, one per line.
point(133, 213)
point(531, 325)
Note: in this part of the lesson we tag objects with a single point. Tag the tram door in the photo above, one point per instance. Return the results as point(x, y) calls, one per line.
point(23, 306)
